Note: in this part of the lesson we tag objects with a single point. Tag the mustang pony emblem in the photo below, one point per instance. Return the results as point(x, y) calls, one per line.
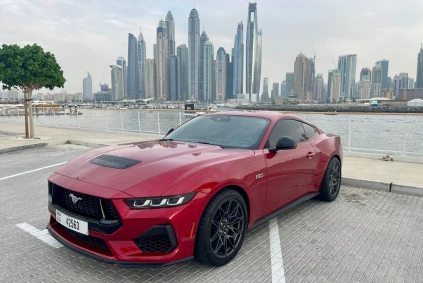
point(74, 198)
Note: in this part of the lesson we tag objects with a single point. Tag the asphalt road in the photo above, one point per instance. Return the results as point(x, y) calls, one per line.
point(364, 236)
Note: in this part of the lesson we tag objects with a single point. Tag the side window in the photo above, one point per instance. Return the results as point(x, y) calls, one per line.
point(291, 128)
point(309, 131)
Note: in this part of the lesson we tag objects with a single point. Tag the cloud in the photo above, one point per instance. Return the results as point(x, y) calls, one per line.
point(88, 35)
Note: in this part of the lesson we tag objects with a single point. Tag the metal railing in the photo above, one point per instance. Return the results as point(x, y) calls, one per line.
point(396, 134)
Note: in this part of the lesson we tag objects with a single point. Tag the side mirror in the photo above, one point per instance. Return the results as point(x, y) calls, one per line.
point(284, 143)
point(171, 130)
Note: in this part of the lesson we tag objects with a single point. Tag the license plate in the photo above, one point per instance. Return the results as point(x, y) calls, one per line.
point(71, 223)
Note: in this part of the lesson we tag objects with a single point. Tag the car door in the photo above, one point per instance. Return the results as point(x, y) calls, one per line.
point(289, 172)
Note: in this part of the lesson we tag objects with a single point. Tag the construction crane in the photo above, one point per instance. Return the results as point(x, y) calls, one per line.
point(334, 63)
point(314, 54)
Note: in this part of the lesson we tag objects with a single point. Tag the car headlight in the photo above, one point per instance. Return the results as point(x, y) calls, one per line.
point(159, 202)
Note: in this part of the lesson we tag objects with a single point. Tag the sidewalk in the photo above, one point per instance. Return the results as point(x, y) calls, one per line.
point(371, 169)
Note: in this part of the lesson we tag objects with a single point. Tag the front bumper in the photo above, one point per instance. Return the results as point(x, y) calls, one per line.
point(129, 245)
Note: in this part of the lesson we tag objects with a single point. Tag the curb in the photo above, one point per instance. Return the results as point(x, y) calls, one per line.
point(89, 144)
point(383, 186)
point(18, 148)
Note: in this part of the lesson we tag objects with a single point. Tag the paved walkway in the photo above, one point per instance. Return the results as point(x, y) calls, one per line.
point(371, 168)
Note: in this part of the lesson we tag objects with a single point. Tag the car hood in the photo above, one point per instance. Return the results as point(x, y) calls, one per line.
point(146, 168)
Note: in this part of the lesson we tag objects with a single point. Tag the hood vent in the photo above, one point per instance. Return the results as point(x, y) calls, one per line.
point(114, 162)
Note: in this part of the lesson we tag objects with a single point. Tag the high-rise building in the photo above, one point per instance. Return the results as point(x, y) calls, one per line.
point(182, 52)
point(141, 50)
point(149, 79)
point(335, 88)
point(229, 76)
point(87, 87)
point(419, 76)
point(161, 61)
point(385, 68)
point(253, 52)
point(170, 29)
point(365, 74)
point(117, 82)
point(319, 87)
point(347, 69)
point(122, 63)
point(133, 81)
point(238, 61)
point(290, 78)
point(221, 74)
point(283, 89)
point(399, 82)
point(410, 83)
point(203, 39)
point(303, 78)
point(193, 54)
point(173, 78)
point(275, 91)
point(376, 79)
point(208, 68)
point(265, 94)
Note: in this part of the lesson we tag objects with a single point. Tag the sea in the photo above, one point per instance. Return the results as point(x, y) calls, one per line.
point(385, 134)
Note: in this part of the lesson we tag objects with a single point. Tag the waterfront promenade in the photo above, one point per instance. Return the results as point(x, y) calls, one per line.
point(366, 235)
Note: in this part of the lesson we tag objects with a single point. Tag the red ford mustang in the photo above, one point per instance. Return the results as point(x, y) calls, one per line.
point(194, 193)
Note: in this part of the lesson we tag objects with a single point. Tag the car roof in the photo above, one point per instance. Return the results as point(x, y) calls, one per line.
point(253, 113)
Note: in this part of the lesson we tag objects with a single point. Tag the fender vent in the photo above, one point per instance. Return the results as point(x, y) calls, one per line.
point(114, 162)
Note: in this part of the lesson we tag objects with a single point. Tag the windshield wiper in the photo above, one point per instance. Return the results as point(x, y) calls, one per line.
point(208, 143)
point(166, 140)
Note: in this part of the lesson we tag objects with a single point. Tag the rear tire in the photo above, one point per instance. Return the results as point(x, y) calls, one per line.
point(222, 228)
point(331, 183)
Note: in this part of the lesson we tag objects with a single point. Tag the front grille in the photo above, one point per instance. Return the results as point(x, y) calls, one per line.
point(87, 206)
point(153, 244)
point(90, 240)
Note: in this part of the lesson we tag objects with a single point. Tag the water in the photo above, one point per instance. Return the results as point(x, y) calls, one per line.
point(387, 134)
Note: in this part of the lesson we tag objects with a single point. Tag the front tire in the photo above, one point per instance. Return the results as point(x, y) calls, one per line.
point(331, 183)
point(222, 228)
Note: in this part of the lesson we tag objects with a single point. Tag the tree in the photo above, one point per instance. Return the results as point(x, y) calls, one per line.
point(28, 69)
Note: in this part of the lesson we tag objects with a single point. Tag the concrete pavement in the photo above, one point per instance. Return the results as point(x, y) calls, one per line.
point(363, 236)
point(403, 172)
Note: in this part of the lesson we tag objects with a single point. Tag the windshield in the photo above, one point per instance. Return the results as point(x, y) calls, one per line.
point(223, 130)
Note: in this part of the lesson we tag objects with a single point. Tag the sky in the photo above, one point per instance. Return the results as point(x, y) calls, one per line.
point(88, 35)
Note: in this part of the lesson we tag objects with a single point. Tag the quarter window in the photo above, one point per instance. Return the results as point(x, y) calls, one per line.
point(309, 131)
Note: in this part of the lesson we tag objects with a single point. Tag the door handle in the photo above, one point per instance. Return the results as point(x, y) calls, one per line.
point(310, 155)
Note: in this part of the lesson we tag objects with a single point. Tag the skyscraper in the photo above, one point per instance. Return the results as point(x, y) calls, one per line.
point(87, 90)
point(365, 84)
point(133, 80)
point(193, 54)
point(203, 39)
point(173, 78)
point(419, 76)
point(253, 52)
point(170, 29)
point(335, 88)
point(122, 63)
point(182, 51)
point(347, 69)
point(385, 68)
point(319, 87)
point(238, 61)
point(208, 71)
point(149, 78)
point(289, 84)
point(265, 94)
point(221, 74)
point(161, 61)
point(365, 74)
point(141, 50)
point(117, 82)
point(275, 91)
point(399, 82)
point(303, 78)
point(229, 76)
point(410, 83)
point(283, 89)
point(376, 80)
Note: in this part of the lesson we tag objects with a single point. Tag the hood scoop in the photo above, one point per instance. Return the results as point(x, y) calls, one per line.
point(115, 162)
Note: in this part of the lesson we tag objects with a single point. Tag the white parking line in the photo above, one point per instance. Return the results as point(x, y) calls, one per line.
point(42, 235)
point(278, 272)
point(38, 169)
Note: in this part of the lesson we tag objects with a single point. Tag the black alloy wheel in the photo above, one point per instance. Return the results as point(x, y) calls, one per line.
point(331, 183)
point(222, 228)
